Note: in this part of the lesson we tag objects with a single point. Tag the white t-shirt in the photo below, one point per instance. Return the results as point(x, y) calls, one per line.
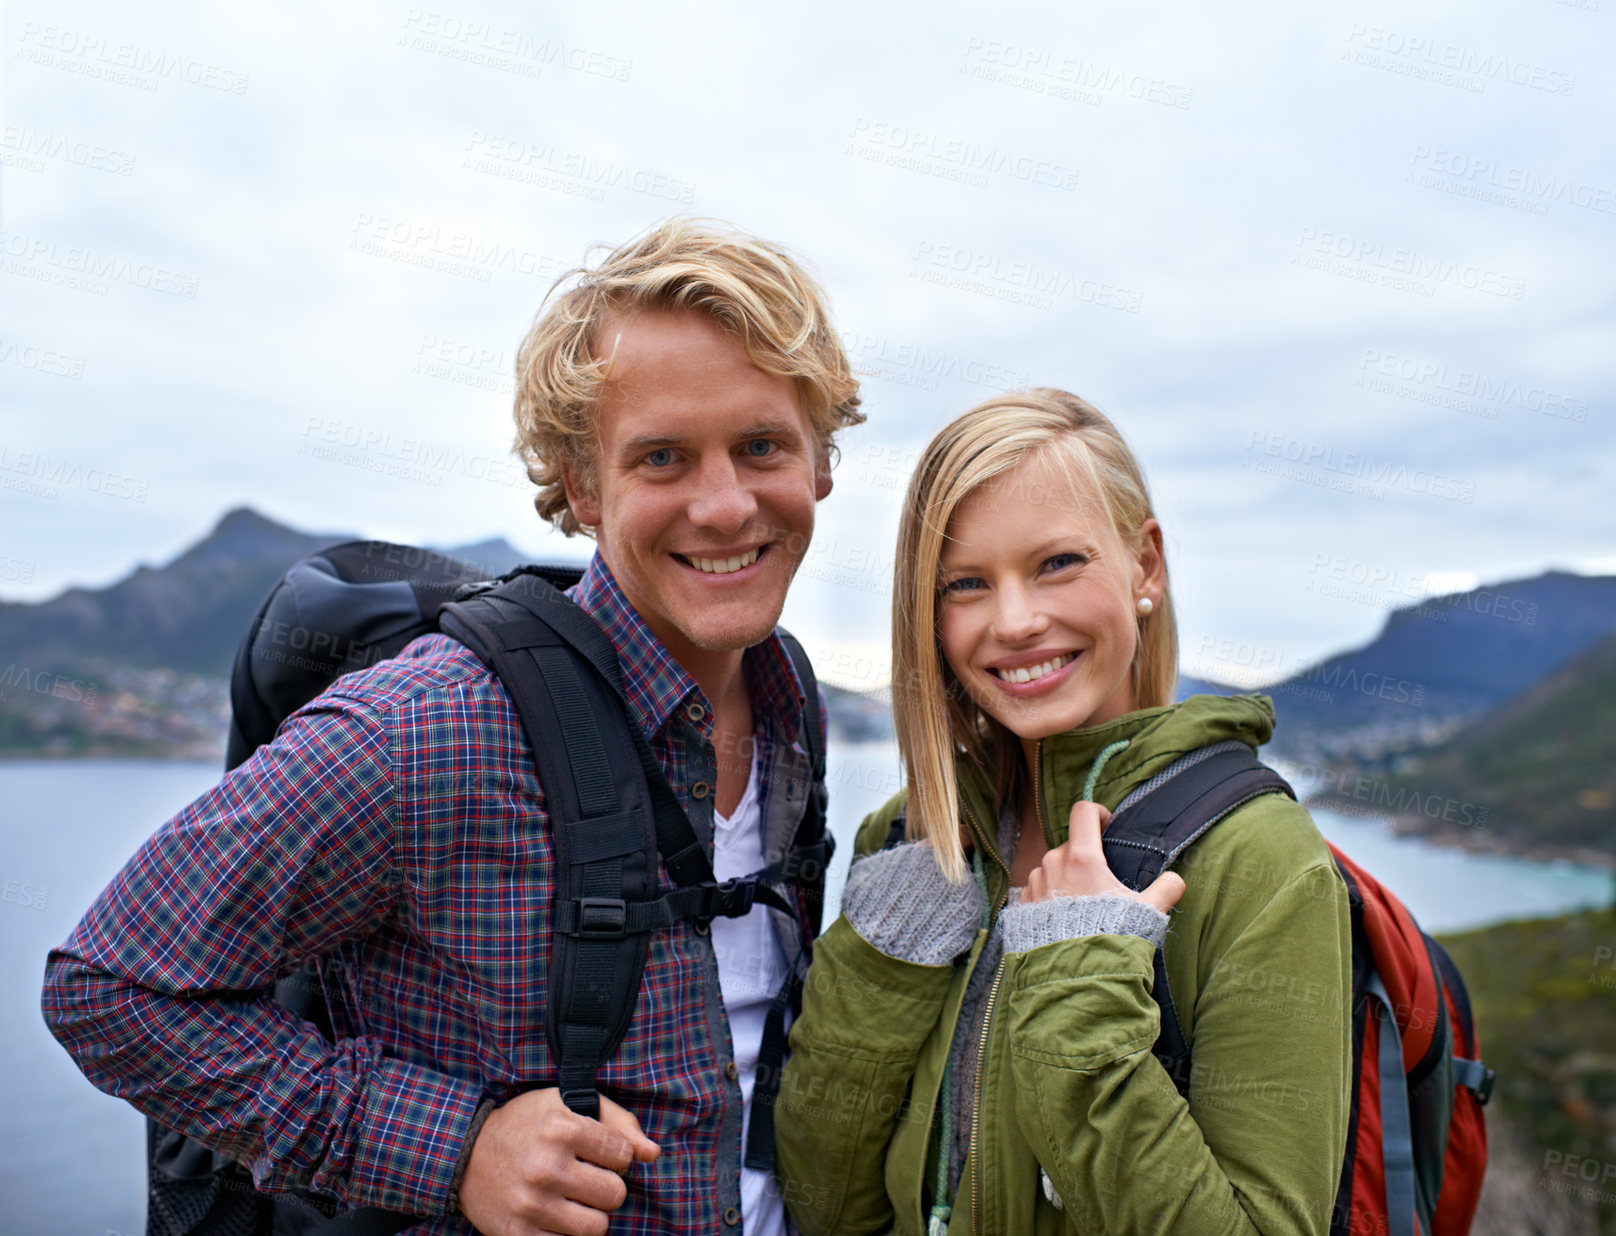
point(751, 970)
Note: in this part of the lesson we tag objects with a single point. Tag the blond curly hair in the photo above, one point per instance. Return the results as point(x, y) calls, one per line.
point(749, 287)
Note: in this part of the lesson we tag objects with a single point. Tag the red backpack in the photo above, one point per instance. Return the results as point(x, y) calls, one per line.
point(1416, 1139)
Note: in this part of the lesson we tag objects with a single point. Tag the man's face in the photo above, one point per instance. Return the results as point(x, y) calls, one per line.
point(706, 481)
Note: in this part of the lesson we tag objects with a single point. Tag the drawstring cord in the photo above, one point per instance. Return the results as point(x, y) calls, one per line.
point(1100, 762)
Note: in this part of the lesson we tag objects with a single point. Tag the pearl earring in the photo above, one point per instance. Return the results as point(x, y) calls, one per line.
point(1144, 605)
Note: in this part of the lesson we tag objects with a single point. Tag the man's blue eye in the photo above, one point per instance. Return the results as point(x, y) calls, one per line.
point(759, 447)
point(660, 458)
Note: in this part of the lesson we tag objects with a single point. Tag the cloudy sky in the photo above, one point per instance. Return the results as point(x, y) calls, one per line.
point(1342, 274)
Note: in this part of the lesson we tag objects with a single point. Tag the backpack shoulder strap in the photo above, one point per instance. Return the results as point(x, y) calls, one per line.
point(1154, 825)
point(1164, 817)
point(813, 738)
point(805, 864)
point(563, 677)
point(531, 616)
point(814, 844)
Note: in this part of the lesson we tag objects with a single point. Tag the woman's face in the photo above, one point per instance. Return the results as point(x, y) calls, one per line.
point(1037, 609)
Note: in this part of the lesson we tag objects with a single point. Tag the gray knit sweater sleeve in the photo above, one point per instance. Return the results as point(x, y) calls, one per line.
point(900, 901)
point(1028, 925)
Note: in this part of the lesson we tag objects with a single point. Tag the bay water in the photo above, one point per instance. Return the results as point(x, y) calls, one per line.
point(72, 1159)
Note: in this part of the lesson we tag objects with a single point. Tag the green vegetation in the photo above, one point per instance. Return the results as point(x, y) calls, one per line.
point(1544, 996)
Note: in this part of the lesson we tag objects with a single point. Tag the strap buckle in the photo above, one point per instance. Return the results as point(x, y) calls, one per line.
point(1474, 1076)
point(476, 589)
point(731, 899)
point(601, 918)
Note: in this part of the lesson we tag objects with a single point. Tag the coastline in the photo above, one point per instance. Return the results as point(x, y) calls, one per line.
point(159, 755)
point(1475, 840)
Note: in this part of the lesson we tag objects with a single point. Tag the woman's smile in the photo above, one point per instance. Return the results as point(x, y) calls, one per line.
point(1021, 678)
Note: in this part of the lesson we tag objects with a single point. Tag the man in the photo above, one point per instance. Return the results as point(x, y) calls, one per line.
point(679, 402)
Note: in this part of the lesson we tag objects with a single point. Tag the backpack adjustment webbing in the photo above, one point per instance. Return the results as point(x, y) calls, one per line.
point(612, 918)
point(1396, 1127)
point(1475, 1077)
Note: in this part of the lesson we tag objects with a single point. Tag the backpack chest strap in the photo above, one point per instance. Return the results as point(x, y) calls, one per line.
point(610, 918)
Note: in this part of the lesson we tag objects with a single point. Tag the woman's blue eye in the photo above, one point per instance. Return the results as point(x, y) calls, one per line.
point(759, 447)
point(660, 458)
point(1060, 562)
point(967, 583)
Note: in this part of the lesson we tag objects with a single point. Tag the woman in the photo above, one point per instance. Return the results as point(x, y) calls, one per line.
point(974, 1051)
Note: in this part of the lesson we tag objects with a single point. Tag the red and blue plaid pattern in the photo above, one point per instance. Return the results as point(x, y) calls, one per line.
point(398, 820)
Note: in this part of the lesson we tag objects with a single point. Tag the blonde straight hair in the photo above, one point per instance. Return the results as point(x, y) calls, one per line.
point(936, 721)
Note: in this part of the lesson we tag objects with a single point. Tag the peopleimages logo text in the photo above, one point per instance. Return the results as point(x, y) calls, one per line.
point(1465, 61)
point(1410, 262)
point(1362, 466)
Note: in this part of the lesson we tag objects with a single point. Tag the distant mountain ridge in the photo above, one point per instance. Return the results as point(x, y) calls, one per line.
point(1535, 774)
point(141, 667)
point(187, 615)
point(1434, 665)
point(1443, 661)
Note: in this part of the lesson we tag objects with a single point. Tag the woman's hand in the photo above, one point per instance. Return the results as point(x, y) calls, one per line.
point(1078, 868)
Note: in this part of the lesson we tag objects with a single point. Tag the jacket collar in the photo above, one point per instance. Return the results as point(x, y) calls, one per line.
point(1155, 737)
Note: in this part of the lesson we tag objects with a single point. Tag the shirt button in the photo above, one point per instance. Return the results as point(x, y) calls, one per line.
point(730, 1071)
point(695, 712)
point(700, 790)
point(732, 1216)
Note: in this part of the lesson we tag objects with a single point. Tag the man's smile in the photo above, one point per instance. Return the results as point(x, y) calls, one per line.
point(723, 564)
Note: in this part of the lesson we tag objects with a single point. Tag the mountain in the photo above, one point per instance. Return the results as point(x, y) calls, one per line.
point(149, 655)
point(1440, 663)
point(858, 716)
point(187, 615)
point(1535, 774)
point(142, 667)
point(493, 557)
point(1188, 686)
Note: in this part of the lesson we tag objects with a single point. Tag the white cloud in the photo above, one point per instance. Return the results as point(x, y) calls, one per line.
point(857, 137)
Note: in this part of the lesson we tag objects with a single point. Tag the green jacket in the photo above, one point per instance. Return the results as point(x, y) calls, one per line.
point(1258, 959)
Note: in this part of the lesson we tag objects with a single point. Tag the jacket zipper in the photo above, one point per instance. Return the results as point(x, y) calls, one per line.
point(1038, 784)
point(987, 1013)
point(981, 1056)
point(976, 1114)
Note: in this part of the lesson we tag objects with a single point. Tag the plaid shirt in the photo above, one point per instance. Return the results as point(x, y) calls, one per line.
point(397, 821)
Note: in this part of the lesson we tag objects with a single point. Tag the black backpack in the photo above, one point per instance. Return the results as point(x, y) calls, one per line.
point(611, 811)
point(1431, 1137)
